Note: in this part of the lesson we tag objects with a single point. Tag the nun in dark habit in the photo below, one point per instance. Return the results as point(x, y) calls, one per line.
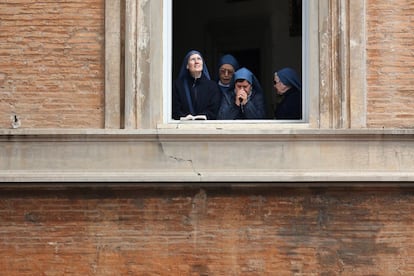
point(193, 91)
point(244, 100)
point(227, 65)
point(286, 83)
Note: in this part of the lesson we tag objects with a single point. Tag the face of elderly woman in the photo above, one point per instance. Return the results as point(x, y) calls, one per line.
point(279, 86)
point(195, 65)
point(226, 72)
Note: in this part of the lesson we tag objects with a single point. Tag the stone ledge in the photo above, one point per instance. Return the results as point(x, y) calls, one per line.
point(221, 156)
point(200, 132)
point(293, 179)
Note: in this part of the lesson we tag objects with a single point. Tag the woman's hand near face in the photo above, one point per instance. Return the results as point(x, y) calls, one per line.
point(242, 90)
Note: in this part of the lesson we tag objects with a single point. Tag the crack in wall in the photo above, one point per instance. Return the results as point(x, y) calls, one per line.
point(178, 159)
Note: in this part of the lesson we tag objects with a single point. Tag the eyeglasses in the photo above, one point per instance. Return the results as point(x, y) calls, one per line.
point(228, 71)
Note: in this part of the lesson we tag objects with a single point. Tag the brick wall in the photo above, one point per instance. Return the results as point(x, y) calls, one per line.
point(390, 64)
point(51, 75)
point(262, 231)
point(52, 63)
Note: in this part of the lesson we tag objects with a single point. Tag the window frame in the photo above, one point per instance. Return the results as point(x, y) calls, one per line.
point(167, 69)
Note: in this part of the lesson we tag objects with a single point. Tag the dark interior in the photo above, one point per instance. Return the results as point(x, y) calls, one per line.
point(264, 35)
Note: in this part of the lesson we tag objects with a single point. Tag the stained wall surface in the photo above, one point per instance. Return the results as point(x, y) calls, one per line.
point(207, 231)
point(390, 59)
point(52, 63)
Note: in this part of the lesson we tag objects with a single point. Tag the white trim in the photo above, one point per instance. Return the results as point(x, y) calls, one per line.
point(167, 59)
point(305, 60)
point(285, 179)
point(167, 69)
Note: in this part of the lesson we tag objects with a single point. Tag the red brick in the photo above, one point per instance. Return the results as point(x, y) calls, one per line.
point(211, 231)
point(52, 52)
point(389, 63)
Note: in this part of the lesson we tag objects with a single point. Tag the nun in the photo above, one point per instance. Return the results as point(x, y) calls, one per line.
point(193, 91)
point(286, 83)
point(244, 100)
point(227, 65)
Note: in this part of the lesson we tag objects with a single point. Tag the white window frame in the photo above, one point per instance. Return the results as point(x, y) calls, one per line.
point(167, 69)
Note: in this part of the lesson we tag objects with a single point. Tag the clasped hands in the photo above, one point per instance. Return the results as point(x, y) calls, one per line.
point(241, 97)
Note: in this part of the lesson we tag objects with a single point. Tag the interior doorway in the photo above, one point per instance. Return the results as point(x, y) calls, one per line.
point(264, 35)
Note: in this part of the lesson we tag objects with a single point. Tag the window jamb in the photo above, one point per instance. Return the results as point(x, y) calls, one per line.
point(167, 60)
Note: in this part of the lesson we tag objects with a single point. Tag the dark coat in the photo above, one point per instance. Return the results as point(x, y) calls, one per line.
point(205, 97)
point(290, 108)
point(254, 109)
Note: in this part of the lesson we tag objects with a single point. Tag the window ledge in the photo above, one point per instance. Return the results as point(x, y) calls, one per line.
point(200, 131)
point(212, 155)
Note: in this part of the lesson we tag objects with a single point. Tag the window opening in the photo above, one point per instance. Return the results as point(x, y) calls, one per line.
point(264, 35)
